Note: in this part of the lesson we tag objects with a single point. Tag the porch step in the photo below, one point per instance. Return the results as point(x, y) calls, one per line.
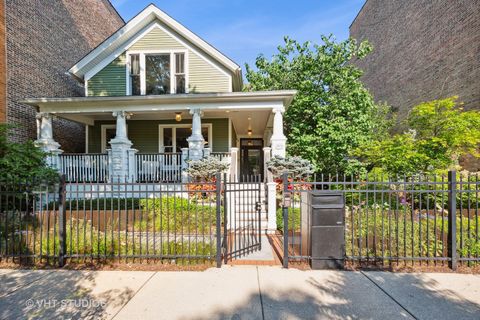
point(239, 224)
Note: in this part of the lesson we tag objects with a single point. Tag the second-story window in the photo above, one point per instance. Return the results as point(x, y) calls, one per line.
point(157, 73)
point(135, 74)
point(179, 72)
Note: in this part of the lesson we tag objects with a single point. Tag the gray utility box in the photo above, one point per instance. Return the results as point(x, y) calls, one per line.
point(326, 213)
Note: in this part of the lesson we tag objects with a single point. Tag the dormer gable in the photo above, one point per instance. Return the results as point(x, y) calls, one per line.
point(129, 61)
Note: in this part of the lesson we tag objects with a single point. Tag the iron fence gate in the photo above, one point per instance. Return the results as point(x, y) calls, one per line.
point(216, 221)
point(242, 227)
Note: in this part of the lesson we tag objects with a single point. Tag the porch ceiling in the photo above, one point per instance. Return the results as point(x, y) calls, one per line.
point(243, 120)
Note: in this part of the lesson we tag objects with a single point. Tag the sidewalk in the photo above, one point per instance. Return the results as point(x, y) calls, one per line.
point(239, 292)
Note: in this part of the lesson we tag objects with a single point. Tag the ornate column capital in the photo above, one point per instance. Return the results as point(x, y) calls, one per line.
point(196, 111)
point(122, 114)
point(44, 115)
point(278, 109)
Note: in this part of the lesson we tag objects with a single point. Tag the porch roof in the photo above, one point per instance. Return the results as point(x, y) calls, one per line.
point(207, 101)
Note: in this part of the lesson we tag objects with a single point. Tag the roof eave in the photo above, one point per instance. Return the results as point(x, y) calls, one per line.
point(286, 96)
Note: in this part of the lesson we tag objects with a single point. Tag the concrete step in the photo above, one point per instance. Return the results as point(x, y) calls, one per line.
point(248, 201)
point(236, 224)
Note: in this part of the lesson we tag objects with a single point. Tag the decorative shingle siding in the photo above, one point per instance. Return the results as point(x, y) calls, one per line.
point(204, 76)
point(423, 50)
point(144, 134)
point(111, 80)
point(44, 39)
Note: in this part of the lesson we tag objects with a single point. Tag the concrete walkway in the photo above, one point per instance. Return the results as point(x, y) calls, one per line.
point(239, 292)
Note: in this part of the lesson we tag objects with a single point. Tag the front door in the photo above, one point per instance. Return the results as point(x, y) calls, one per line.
point(251, 157)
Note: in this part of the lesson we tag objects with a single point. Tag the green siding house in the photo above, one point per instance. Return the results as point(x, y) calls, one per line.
point(157, 95)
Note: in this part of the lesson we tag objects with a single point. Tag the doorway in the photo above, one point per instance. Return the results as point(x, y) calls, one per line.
point(251, 158)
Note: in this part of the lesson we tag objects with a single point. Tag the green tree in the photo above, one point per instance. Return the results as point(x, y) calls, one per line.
point(22, 161)
point(440, 132)
point(332, 112)
point(445, 122)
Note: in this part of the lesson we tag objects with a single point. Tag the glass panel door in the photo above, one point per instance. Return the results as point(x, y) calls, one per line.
point(251, 157)
point(168, 140)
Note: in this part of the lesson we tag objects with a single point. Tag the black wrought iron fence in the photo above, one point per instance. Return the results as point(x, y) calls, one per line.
point(117, 220)
point(25, 228)
point(424, 218)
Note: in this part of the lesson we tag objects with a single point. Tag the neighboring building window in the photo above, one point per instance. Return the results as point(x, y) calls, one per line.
point(157, 73)
point(174, 137)
point(135, 74)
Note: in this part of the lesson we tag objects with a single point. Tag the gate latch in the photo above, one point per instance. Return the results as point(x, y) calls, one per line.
point(258, 206)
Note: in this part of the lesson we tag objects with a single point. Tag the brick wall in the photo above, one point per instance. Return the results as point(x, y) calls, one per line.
point(3, 61)
point(423, 50)
point(44, 39)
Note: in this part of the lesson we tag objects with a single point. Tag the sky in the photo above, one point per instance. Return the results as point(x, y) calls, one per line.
point(242, 29)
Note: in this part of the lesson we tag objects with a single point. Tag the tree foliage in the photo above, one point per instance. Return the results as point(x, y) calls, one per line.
point(332, 112)
point(22, 161)
point(440, 132)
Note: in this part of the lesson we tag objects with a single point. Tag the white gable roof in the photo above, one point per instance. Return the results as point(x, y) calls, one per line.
point(113, 46)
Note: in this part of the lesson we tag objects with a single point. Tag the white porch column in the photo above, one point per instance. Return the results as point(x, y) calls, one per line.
point(271, 207)
point(184, 164)
point(121, 155)
point(196, 141)
point(267, 155)
point(233, 164)
point(45, 139)
point(271, 194)
point(278, 139)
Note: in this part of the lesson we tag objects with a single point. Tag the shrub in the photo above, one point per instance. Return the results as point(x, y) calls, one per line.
point(293, 219)
point(296, 167)
point(205, 169)
point(22, 161)
point(178, 215)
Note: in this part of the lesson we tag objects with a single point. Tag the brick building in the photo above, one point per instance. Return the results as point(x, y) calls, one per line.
point(423, 50)
point(43, 39)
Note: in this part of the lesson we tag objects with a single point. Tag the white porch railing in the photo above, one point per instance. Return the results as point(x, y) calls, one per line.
point(166, 167)
point(155, 167)
point(222, 156)
point(84, 167)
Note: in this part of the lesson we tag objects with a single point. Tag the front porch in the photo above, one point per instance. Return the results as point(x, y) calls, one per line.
point(152, 138)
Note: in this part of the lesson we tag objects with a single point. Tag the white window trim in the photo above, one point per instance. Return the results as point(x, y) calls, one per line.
point(142, 53)
point(174, 135)
point(104, 128)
